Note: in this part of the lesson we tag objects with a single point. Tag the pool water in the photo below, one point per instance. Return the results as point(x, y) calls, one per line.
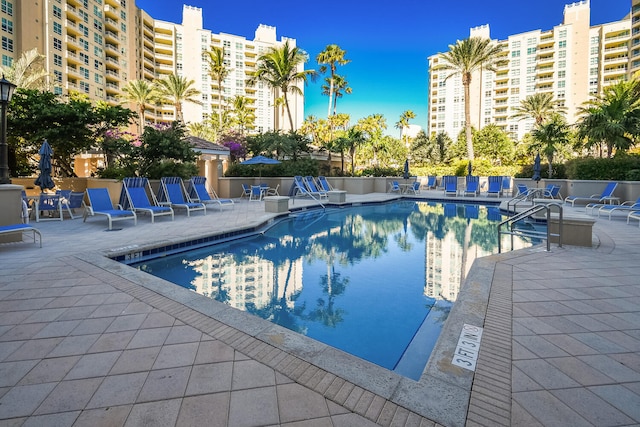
point(376, 281)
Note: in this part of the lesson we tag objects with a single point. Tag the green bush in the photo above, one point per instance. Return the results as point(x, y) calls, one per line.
point(559, 171)
point(618, 168)
point(382, 171)
point(302, 167)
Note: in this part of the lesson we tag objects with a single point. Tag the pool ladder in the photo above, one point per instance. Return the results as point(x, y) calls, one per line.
point(512, 222)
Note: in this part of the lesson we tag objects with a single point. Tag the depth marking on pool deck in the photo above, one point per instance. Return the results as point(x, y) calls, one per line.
point(466, 352)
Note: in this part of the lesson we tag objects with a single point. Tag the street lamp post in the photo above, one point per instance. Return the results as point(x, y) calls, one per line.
point(6, 92)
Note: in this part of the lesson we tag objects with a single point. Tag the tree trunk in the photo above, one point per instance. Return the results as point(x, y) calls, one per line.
point(286, 103)
point(330, 96)
point(466, 82)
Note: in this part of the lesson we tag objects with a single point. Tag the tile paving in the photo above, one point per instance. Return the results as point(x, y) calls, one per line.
point(86, 341)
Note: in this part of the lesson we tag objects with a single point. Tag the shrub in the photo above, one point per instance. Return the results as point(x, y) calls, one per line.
point(617, 168)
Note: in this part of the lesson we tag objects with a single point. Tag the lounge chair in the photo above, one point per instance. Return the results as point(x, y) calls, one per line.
point(26, 208)
point(299, 187)
point(256, 193)
point(625, 207)
point(21, 228)
point(431, 182)
point(100, 204)
point(198, 191)
point(414, 188)
point(246, 191)
point(313, 188)
point(74, 201)
point(172, 191)
point(634, 215)
point(394, 187)
point(472, 186)
point(495, 186)
point(450, 184)
point(134, 196)
point(524, 191)
point(324, 184)
point(605, 197)
point(552, 191)
point(506, 186)
point(51, 203)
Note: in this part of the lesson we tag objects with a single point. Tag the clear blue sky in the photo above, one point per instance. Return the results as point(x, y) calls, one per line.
point(388, 42)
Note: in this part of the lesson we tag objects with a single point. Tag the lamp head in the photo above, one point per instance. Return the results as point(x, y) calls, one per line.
point(6, 90)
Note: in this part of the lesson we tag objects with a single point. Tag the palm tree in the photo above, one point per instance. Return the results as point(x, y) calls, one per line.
point(404, 122)
point(372, 126)
point(464, 58)
point(612, 118)
point(28, 72)
point(340, 88)
point(280, 68)
point(243, 116)
point(549, 137)
point(332, 55)
point(141, 93)
point(539, 107)
point(218, 71)
point(176, 90)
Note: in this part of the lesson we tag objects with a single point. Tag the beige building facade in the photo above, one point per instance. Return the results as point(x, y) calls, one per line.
point(573, 61)
point(95, 47)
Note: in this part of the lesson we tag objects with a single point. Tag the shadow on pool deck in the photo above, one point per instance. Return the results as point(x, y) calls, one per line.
point(86, 339)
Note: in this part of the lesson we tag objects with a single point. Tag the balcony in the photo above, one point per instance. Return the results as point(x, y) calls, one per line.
point(111, 36)
point(110, 11)
point(111, 23)
point(111, 48)
point(112, 74)
point(112, 60)
point(71, 11)
point(72, 57)
point(112, 86)
point(73, 41)
point(616, 59)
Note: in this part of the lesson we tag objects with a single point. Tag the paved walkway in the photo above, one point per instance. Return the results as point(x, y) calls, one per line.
point(87, 341)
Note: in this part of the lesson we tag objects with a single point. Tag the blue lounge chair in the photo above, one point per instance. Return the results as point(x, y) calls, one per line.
point(172, 191)
point(394, 187)
point(552, 191)
point(495, 186)
point(134, 197)
point(472, 186)
point(256, 193)
point(75, 200)
point(605, 197)
point(506, 186)
point(414, 188)
point(299, 187)
point(450, 183)
point(324, 184)
point(21, 228)
point(197, 189)
point(634, 215)
point(313, 188)
point(246, 190)
point(431, 182)
point(50, 203)
point(625, 207)
point(524, 191)
point(100, 204)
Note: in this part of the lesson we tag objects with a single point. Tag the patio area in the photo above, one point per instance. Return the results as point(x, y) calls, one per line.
point(88, 341)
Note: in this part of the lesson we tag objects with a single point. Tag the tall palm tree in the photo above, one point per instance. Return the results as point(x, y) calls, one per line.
point(218, 71)
point(612, 118)
point(372, 127)
point(404, 122)
point(332, 55)
point(28, 72)
point(340, 88)
point(539, 107)
point(549, 137)
point(464, 58)
point(176, 90)
point(281, 68)
point(141, 93)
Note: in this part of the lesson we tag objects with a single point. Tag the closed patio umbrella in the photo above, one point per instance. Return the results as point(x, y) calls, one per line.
point(44, 180)
point(536, 169)
point(406, 169)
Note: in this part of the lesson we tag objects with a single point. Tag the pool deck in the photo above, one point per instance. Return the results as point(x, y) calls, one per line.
point(85, 340)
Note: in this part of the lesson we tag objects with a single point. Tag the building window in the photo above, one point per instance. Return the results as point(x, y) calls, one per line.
point(57, 90)
point(7, 26)
point(515, 63)
point(57, 60)
point(562, 74)
point(57, 12)
point(97, 11)
point(515, 53)
point(515, 82)
point(561, 83)
point(562, 64)
point(562, 34)
point(57, 43)
point(7, 7)
point(84, 58)
point(98, 78)
point(97, 38)
point(7, 61)
point(562, 43)
point(515, 44)
point(57, 75)
point(531, 51)
point(84, 87)
point(84, 30)
point(57, 27)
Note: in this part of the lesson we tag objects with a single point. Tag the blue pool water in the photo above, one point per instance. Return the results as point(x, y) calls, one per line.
point(376, 281)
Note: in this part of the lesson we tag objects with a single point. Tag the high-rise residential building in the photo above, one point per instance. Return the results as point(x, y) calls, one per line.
point(573, 61)
point(634, 44)
point(96, 46)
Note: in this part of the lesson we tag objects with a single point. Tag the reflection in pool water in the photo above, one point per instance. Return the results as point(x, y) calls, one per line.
point(376, 281)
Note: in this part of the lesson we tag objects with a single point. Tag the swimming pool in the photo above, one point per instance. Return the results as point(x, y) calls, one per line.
point(376, 281)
